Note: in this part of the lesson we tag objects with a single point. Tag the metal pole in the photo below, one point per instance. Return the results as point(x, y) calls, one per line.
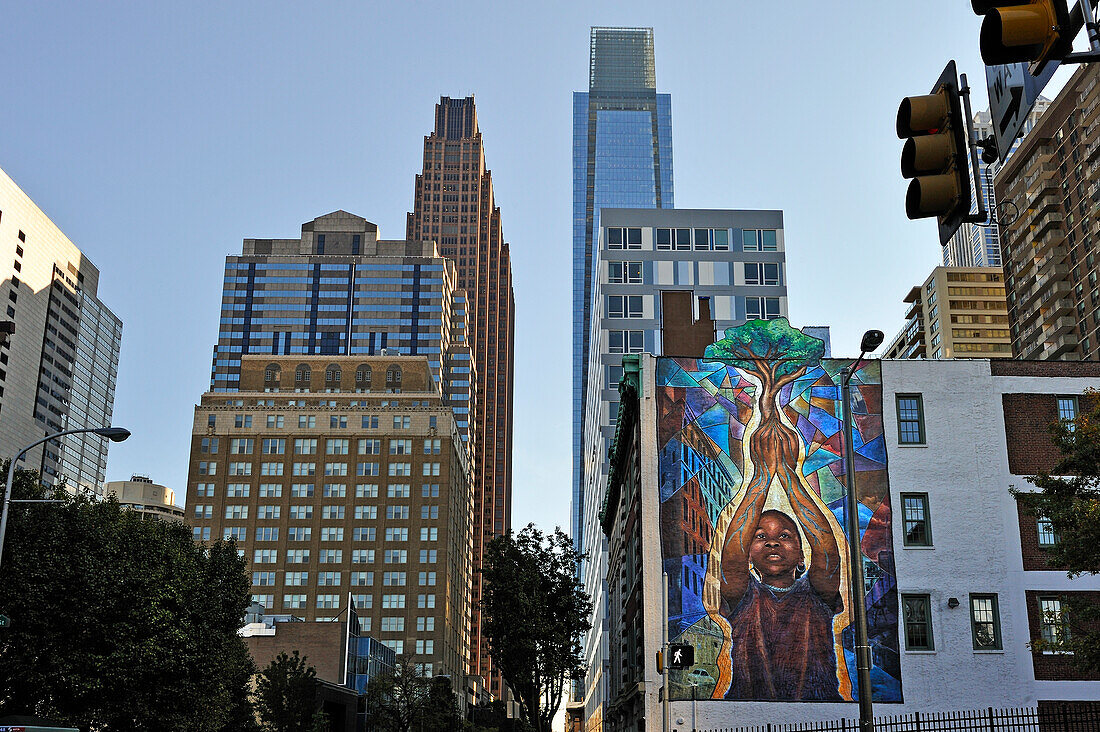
point(11, 476)
point(665, 712)
point(859, 611)
point(1090, 24)
point(972, 146)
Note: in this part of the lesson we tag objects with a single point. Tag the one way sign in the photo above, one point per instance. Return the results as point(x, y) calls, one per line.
point(1012, 94)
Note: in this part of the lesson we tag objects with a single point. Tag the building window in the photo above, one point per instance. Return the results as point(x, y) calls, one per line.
point(624, 273)
point(759, 240)
point(918, 526)
point(624, 306)
point(917, 611)
point(985, 623)
point(1067, 410)
point(614, 376)
point(761, 308)
point(761, 273)
point(1053, 623)
point(1047, 535)
point(620, 238)
point(910, 419)
point(625, 341)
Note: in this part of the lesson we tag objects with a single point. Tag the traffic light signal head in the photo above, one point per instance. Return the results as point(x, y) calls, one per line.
point(1023, 31)
point(934, 154)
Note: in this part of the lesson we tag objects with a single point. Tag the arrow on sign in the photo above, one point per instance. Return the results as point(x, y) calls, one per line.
point(1017, 94)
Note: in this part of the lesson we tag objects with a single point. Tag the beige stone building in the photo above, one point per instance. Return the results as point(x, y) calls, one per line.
point(343, 477)
point(58, 370)
point(959, 312)
point(141, 494)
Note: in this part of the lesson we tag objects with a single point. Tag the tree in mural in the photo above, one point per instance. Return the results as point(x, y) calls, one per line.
point(780, 611)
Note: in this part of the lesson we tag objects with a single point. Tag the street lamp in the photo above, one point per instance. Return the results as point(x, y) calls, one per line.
point(872, 339)
point(114, 434)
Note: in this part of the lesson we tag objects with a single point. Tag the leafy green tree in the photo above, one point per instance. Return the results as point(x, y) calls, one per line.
point(286, 696)
point(1070, 500)
point(119, 622)
point(535, 614)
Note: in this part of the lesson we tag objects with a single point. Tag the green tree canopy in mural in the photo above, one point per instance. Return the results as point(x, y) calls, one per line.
point(768, 345)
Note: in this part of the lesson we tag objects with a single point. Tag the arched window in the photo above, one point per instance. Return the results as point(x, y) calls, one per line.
point(302, 373)
point(362, 376)
point(332, 373)
point(393, 377)
point(271, 373)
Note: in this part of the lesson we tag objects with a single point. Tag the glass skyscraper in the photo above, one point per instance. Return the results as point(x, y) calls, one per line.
point(622, 158)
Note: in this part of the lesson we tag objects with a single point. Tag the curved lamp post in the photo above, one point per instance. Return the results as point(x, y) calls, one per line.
point(872, 339)
point(114, 434)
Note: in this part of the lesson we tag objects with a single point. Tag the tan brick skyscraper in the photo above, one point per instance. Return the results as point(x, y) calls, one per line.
point(454, 206)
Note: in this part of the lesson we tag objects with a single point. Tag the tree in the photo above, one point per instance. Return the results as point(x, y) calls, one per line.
point(535, 614)
point(407, 699)
point(286, 696)
point(1070, 501)
point(119, 622)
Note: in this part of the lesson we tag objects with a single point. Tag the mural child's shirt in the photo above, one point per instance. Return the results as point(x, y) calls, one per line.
point(782, 647)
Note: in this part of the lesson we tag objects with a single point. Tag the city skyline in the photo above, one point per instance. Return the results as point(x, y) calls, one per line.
point(197, 150)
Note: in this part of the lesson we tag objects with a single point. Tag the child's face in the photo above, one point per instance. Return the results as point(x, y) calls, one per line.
point(776, 550)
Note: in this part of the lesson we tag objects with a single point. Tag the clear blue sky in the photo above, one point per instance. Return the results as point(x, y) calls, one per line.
point(158, 136)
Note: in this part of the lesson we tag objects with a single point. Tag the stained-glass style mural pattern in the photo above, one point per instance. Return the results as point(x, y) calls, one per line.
point(752, 490)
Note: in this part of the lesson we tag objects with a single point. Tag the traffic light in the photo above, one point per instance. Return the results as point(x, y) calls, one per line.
point(1023, 31)
point(934, 155)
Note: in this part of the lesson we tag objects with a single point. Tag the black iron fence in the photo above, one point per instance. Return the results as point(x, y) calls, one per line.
point(1067, 718)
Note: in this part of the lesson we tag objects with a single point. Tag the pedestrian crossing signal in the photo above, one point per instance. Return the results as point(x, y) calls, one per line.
point(681, 655)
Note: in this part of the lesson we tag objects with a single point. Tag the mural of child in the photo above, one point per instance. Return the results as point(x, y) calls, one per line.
point(781, 615)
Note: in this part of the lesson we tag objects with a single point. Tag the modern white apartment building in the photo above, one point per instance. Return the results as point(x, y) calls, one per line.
point(655, 267)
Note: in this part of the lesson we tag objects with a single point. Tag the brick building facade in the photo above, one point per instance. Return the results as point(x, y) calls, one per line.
point(338, 476)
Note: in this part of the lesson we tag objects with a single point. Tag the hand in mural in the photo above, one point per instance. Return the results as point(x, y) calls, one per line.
point(782, 645)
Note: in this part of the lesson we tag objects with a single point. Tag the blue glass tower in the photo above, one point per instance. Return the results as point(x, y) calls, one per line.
point(622, 158)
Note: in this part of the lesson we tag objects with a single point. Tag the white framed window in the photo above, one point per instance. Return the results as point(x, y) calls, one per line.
point(762, 273)
point(236, 512)
point(624, 306)
point(393, 602)
point(761, 308)
point(304, 469)
point(624, 273)
point(299, 533)
point(397, 533)
point(294, 602)
point(296, 579)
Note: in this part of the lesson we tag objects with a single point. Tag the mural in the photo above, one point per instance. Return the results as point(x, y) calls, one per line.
point(752, 476)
